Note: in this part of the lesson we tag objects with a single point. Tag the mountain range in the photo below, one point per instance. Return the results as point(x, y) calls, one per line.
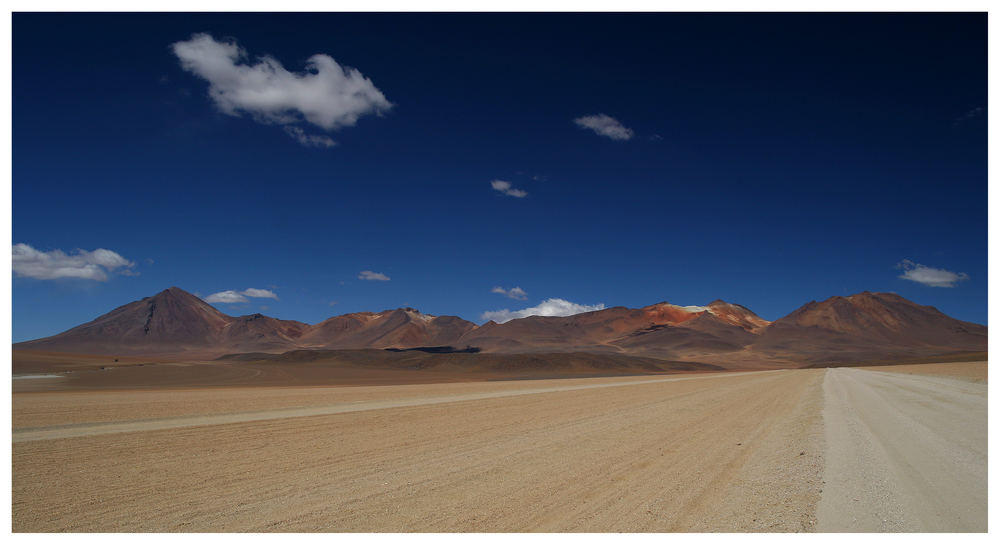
point(864, 326)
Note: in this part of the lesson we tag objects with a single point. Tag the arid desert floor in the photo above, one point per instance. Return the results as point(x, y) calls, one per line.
point(889, 448)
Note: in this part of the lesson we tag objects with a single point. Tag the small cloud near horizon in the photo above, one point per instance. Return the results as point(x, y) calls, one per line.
point(232, 296)
point(513, 293)
point(548, 307)
point(969, 116)
point(326, 95)
point(254, 292)
point(228, 296)
point(605, 125)
point(90, 265)
point(372, 275)
point(929, 276)
point(508, 189)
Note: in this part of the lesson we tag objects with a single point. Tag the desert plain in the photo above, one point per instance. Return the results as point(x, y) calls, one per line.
point(171, 447)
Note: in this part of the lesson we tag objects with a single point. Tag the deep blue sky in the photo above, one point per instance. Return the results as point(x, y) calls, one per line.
point(776, 159)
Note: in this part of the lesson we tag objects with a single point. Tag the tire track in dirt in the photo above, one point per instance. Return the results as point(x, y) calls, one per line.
point(690, 455)
point(86, 430)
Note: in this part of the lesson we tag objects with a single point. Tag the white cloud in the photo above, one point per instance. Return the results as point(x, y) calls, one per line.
point(310, 140)
point(548, 307)
point(513, 293)
point(254, 292)
point(928, 276)
point(372, 275)
point(605, 125)
point(228, 296)
point(94, 265)
point(507, 189)
point(326, 95)
point(970, 115)
point(231, 296)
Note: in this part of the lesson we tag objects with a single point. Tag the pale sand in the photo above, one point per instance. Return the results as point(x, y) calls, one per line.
point(71, 407)
point(972, 370)
point(719, 452)
point(905, 453)
point(155, 424)
point(735, 452)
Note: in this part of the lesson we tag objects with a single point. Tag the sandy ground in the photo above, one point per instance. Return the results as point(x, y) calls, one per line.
point(86, 429)
point(975, 371)
point(73, 407)
point(905, 452)
point(887, 448)
point(734, 452)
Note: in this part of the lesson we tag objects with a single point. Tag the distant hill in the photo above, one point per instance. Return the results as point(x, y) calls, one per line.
point(865, 326)
point(661, 330)
point(177, 323)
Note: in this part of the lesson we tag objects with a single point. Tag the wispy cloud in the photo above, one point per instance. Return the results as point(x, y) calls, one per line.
point(929, 276)
point(232, 296)
point(372, 275)
point(605, 125)
point(310, 140)
point(326, 95)
point(549, 307)
point(507, 189)
point(92, 265)
point(254, 292)
point(969, 116)
point(228, 296)
point(513, 293)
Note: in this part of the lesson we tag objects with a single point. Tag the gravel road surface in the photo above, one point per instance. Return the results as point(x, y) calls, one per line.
point(904, 453)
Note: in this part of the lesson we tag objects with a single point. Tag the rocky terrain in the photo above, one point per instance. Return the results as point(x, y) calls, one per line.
point(862, 327)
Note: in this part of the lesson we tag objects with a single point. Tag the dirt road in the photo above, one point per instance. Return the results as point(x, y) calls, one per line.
point(154, 424)
point(899, 451)
point(905, 453)
point(734, 452)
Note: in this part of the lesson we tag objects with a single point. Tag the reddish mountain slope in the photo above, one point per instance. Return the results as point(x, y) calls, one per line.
point(866, 326)
point(259, 333)
point(585, 332)
point(660, 330)
point(400, 328)
point(172, 320)
point(737, 315)
point(175, 322)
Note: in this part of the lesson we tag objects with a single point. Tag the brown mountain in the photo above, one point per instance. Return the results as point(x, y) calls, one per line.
point(172, 322)
point(868, 326)
point(177, 323)
point(260, 333)
point(661, 330)
point(400, 328)
point(865, 326)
